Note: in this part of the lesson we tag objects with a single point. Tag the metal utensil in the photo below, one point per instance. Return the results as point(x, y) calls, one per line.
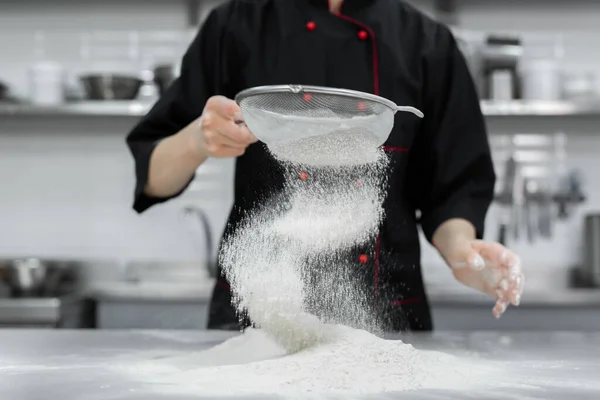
point(111, 86)
point(546, 209)
point(202, 218)
point(530, 209)
point(591, 263)
point(292, 112)
point(518, 202)
point(506, 199)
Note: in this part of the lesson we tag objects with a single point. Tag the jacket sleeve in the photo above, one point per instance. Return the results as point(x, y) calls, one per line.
point(202, 75)
point(450, 169)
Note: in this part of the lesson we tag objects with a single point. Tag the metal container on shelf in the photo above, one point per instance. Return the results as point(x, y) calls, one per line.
point(501, 53)
point(111, 86)
point(541, 80)
point(165, 75)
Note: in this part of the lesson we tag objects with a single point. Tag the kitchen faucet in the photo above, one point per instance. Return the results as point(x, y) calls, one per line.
point(202, 218)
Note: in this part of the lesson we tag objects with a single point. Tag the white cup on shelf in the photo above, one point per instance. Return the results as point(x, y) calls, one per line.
point(47, 83)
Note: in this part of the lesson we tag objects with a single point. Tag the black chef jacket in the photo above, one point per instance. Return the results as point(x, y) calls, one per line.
point(440, 165)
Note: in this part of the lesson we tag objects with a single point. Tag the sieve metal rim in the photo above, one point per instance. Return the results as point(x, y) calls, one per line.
point(355, 94)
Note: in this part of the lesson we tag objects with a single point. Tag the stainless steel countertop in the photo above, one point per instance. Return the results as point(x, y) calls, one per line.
point(201, 292)
point(84, 365)
point(565, 298)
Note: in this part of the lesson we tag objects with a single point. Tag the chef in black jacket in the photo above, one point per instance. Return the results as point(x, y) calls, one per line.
point(440, 166)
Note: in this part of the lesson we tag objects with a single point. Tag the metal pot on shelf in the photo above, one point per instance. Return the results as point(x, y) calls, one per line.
point(541, 80)
point(24, 277)
point(165, 75)
point(107, 86)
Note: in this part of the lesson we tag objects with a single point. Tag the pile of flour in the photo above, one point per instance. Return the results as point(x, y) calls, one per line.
point(287, 270)
point(353, 363)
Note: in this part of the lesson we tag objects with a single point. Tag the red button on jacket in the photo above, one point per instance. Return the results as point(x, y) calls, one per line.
point(311, 26)
point(363, 259)
point(363, 35)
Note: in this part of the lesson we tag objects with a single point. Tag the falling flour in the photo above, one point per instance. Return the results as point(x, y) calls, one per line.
point(284, 262)
point(287, 270)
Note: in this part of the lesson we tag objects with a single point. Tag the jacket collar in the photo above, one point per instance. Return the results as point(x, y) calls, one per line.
point(310, 10)
point(347, 5)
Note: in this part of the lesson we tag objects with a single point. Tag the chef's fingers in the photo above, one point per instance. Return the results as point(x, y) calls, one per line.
point(237, 132)
point(246, 131)
point(466, 257)
point(499, 256)
point(511, 286)
point(501, 301)
point(473, 261)
point(516, 290)
point(513, 276)
point(492, 252)
point(499, 308)
point(223, 107)
point(215, 138)
point(225, 131)
point(509, 265)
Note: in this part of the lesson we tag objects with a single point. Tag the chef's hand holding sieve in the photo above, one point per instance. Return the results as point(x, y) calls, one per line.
point(222, 132)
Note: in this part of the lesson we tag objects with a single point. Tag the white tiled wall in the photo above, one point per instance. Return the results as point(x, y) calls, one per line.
point(65, 185)
point(67, 191)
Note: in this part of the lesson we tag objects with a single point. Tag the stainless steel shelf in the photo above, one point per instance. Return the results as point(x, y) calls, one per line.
point(87, 108)
point(539, 108)
point(137, 109)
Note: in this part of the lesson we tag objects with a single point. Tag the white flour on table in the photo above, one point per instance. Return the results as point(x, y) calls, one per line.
point(307, 330)
point(355, 362)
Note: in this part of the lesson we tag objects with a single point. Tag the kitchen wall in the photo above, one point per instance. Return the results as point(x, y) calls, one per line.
point(66, 183)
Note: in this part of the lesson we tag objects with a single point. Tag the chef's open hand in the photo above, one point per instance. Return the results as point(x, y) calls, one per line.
point(485, 266)
point(491, 268)
point(222, 132)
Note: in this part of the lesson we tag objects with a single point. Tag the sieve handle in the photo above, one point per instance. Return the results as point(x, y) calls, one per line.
point(410, 109)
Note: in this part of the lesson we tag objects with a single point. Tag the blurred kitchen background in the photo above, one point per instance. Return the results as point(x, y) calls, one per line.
point(75, 75)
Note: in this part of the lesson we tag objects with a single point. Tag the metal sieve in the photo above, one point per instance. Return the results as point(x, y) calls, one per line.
point(284, 113)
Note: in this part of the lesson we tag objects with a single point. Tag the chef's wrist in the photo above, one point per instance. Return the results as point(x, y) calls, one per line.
point(452, 233)
point(194, 152)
